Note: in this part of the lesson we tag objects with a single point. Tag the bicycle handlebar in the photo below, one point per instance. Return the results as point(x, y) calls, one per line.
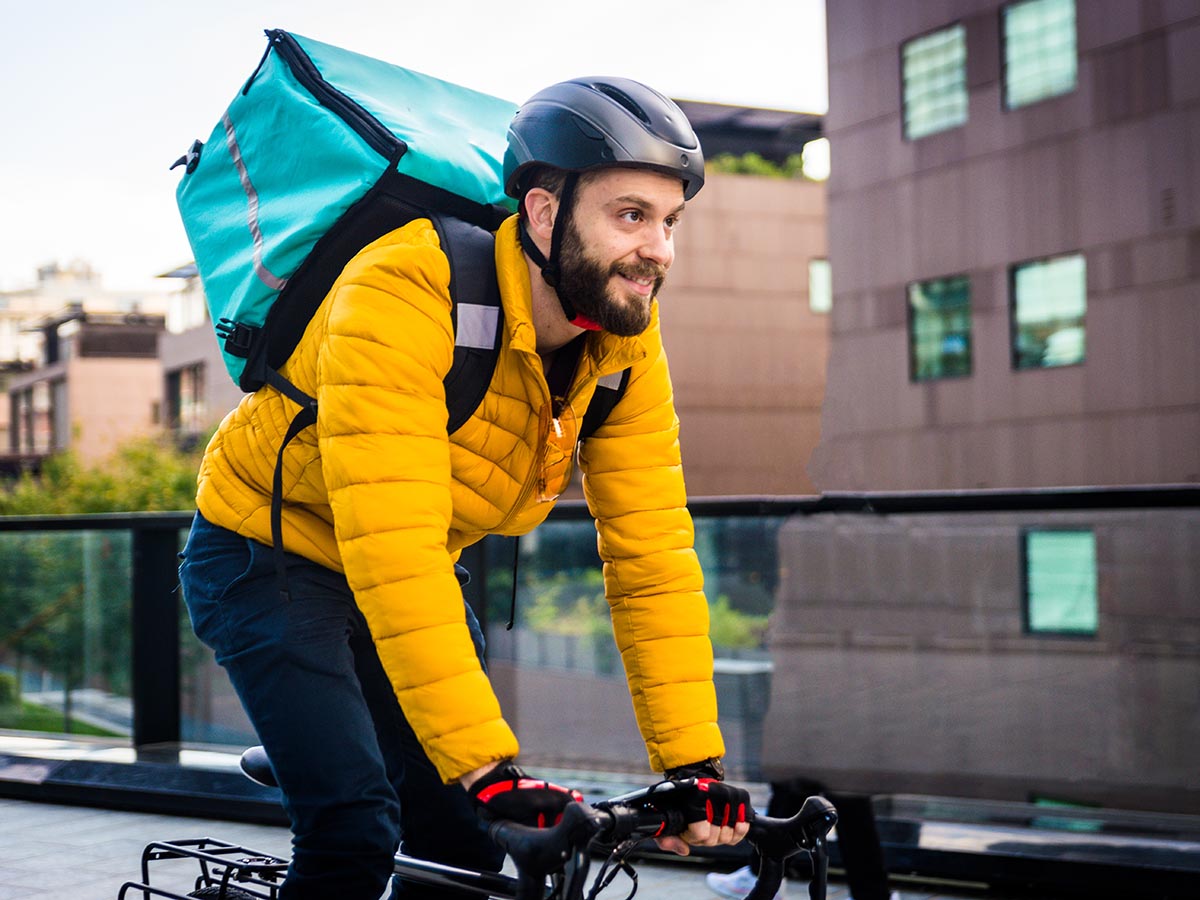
point(538, 852)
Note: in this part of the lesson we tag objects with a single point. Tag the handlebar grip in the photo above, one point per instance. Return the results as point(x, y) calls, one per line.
point(536, 852)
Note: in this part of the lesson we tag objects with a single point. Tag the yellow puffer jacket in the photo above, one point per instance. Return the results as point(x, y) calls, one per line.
point(378, 491)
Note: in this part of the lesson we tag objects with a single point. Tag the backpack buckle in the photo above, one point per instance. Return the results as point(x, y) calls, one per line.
point(238, 337)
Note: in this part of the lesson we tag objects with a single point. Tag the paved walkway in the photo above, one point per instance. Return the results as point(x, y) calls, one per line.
point(52, 852)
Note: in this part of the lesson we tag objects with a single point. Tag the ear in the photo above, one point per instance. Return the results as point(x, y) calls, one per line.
point(541, 207)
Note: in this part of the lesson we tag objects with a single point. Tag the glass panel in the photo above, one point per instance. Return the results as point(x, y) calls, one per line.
point(1050, 303)
point(820, 286)
point(1039, 51)
point(1061, 581)
point(64, 632)
point(562, 644)
point(935, 82)
point(939, 328)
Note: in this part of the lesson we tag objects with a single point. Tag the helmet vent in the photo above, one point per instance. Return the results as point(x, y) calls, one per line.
point(619, 96)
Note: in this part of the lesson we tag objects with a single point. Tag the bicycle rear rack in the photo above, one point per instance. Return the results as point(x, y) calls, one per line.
point(223, 866)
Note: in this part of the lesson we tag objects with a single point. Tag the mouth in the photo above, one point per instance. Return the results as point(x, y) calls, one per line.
point(640, 285)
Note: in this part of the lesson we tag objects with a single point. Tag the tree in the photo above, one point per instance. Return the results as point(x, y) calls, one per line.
point(144, 474)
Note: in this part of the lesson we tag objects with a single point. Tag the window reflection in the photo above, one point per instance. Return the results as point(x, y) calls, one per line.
point(939, 328)
point(1039, 51)
point(935, 82)
point(1049, 304)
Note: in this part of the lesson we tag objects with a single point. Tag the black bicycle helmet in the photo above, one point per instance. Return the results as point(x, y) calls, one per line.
point(593, 123)
point(590, 123)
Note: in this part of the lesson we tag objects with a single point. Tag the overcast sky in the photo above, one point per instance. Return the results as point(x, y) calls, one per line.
point(98, 98)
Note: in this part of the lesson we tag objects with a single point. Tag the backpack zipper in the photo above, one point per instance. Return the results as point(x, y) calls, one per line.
point(380, 138)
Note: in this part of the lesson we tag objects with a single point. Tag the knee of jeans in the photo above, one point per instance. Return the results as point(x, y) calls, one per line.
point(350, 830)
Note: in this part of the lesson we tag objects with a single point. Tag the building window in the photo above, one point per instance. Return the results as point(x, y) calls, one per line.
point(820, 286)
point(935, 82)
point(1060, 582)
point(1040, 59)
point(185, 400)
point(939, 328)
point(1049, 302)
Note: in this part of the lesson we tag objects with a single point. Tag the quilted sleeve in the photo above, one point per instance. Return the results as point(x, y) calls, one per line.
point(633, 482)
point(386, 462)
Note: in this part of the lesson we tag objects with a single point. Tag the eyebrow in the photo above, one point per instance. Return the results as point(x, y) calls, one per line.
point(642, 203)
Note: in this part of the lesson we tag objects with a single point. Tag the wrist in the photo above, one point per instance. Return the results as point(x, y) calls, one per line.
point(705, 768)
point(483, 771)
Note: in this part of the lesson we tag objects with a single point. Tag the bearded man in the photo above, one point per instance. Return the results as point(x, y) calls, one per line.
point(365, 681)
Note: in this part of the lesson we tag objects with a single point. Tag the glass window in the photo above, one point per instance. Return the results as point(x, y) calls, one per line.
point(935, 82)
point(1049, 302)
point(939, 328)
point(820, 286)
point(1039, 51)
point(1060, 582)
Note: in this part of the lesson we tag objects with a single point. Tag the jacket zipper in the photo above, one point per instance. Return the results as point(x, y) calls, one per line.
point(531, 479)
point(380, 139)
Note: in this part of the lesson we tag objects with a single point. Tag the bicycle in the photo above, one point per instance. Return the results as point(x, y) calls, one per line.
point(552, 863)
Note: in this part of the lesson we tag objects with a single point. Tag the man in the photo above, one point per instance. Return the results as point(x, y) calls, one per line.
point(380, 500)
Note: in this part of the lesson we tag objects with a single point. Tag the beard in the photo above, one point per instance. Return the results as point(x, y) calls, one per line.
point(587, 284)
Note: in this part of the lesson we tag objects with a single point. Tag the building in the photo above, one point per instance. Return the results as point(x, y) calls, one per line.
point(64, 292)
point(1015, 238)
point(97, 384)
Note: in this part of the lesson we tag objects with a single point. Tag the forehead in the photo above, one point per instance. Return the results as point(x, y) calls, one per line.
point(607, 185)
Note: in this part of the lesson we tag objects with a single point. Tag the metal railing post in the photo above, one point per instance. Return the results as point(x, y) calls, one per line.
point(155, 627)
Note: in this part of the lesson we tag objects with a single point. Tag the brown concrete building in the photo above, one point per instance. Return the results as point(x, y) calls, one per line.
point(1015, 237)
point(748, 340)
point(98, 384)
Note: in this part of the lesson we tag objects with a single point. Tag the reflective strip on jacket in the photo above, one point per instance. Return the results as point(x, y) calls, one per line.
point(378, 491)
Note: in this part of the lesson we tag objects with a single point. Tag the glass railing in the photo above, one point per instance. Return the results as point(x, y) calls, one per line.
point(1031, 647)
point(89, 626)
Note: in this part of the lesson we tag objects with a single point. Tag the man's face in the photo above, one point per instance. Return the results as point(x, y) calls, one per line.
point(617, 246)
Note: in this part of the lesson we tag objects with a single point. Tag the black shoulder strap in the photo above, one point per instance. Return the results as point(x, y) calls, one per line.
point(609, 390)
point(477, 315)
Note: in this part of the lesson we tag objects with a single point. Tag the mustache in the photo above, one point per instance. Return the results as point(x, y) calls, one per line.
point(643, 269)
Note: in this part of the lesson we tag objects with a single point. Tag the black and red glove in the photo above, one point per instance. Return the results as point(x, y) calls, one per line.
point(508, 793)
point(701, 795)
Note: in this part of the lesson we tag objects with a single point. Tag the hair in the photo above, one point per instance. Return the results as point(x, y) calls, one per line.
point(550, 179)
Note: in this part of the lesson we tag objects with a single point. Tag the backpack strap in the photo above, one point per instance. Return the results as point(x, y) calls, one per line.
point(609, 390)
point(476, 313)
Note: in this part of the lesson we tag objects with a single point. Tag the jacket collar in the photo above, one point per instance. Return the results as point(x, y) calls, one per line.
point(604, 353)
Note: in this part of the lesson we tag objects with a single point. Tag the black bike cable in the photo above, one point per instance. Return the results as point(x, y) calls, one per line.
point(512, 605)
point(619, 862)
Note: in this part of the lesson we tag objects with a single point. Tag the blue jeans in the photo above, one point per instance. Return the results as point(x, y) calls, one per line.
point(354, 778)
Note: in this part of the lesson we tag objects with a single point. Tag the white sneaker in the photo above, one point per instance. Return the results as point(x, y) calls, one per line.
point(736, 885)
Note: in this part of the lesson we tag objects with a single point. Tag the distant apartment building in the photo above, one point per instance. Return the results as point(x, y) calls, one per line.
point(1015, 237)
point(96, 385)
point(29, 338)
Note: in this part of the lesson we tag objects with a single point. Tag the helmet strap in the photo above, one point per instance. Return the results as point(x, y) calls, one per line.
point(551, 268)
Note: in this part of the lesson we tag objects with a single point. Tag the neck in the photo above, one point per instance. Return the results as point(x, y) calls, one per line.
point(549, 324)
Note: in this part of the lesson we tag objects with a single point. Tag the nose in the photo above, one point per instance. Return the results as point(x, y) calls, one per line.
point(659, 247)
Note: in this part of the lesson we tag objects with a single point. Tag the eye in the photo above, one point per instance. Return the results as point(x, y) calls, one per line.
point(671, 222)
point(631, 215)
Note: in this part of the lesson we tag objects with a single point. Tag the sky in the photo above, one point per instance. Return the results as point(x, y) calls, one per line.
point(97, 99)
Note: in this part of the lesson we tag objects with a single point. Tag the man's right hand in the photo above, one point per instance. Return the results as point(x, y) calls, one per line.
point(506, 792)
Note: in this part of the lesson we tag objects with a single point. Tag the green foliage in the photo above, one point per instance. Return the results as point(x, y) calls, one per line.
point(144, 474)
point(8, 690)
point(30, 717)
point(755, 164)
point(570, 603)
point(733, 629)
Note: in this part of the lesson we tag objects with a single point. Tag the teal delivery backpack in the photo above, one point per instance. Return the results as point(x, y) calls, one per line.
point(320, 153)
